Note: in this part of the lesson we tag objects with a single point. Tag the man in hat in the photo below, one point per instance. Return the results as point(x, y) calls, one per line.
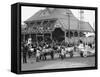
point(25, 49)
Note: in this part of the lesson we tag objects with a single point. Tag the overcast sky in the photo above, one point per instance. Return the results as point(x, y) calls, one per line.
point(89, 15)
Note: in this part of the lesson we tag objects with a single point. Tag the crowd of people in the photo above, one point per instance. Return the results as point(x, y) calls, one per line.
point(29, 48)
point(41, 49)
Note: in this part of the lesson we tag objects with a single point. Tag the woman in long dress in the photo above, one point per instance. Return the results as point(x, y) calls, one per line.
point(62, 53)
point(37, 55)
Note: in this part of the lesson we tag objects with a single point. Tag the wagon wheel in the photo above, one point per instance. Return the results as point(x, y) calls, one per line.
point(52, 56)
point(71, 54)
point(81, 54)
point(84, 54)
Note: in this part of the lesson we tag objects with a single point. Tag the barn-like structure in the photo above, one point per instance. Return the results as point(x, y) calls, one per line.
point(55, 24)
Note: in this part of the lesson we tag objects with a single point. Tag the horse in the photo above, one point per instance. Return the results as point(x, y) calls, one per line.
point(32, 51)
point(62, 53)
point(83, 50)
point(70, 50)
point(45, 52)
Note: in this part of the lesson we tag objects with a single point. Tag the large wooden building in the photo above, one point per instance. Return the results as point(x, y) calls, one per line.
point(55, 24)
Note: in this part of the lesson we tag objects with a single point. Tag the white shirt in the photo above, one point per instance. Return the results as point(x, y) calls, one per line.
point(62, 52)
point(37, 53)
point(81, 46)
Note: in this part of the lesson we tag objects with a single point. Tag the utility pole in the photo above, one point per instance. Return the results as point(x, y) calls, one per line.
point(68, 26)
point(81, 16)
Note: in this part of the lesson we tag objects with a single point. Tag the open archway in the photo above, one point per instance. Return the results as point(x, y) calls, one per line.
point(58, 35)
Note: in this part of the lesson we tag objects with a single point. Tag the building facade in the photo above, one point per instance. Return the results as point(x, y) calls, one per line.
point(55, 24)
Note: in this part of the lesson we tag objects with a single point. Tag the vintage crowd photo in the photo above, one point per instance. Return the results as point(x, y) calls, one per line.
point(54, 38)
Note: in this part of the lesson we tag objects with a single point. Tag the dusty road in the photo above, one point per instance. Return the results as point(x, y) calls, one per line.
point(58, 63)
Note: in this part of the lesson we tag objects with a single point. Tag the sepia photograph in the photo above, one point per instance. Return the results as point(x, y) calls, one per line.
point(56, 38)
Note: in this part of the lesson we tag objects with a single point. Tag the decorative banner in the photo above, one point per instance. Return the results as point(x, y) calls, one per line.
point(57, 26)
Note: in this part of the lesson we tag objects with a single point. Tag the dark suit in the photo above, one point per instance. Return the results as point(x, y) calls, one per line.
point(25, 49)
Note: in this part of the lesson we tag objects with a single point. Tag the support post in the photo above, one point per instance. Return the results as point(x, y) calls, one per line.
point(51, 39)
point(65, 36)
point(68, 25)
point(51, 35)
point(29, 35)
point(43, 37)
point(74, 36)
point(24, 37)
point(36, 39)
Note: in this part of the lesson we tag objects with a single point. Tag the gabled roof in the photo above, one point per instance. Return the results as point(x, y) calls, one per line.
point(55, 13)
point(77, 25)
point(64, 16)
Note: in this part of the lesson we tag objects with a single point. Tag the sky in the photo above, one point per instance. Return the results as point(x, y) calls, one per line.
point(89, 15)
